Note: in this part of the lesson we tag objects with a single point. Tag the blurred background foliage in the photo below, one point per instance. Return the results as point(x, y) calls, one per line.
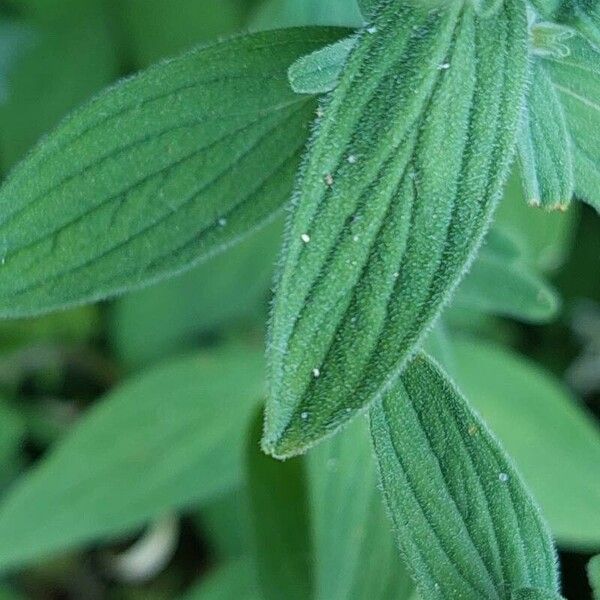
point(123, 425)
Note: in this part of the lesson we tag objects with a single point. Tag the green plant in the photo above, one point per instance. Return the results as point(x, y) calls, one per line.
point(395, 141)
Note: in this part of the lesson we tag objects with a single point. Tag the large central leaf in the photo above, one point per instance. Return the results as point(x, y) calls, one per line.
point(401, 178)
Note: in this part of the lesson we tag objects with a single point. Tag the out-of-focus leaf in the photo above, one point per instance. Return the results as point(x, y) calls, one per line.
point(355, 555)
point(12, 434)
point(225, 522)
point(15, 39)
point(319, 72)
point(545, 146)
point(154, 322)
point(76, 325)
point(576, 78)
point(233, 581)
point(502, 283)
point(555, 444)
point(465, 523)
point(155, 29)
point(593, 571)
point(70, 57)
point(279, 509)
point(290, 13)
point(156, 173)
point(546, 236)
point(390, 207)
point(163, 441)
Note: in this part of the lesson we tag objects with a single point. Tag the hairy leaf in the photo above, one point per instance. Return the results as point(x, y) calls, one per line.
point(280, 522)
point(465, 523)
point(354, 550)
point(319, 72)
point(168, 439)
point(545, 146)
point(368, 8)
point(585, 15)
point(576, 78)
point(156, 173)
point(392, 203)
point(502, 283)
point(554, 442)
point(155, 322)
point(535, 594)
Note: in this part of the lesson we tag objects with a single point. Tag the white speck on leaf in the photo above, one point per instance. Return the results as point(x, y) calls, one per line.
point(305, 238)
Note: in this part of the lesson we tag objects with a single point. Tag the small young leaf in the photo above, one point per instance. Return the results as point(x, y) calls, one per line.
point(593, 570)
point(354, 550)
point(576, 78)
point(465, 523)
point(280, 522)
point(391, 205)
point(554, 442)
point(535, 594)
point(156, 173)
point(544, 146)
point(170, 438)
point(319, 72)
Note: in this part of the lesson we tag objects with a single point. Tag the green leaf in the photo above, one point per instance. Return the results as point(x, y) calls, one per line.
point(390, 207)
point(280, 522)
point(545, 146)
point(535, 594)
point(593, 571)
point(319, 72)
point(158, 172)
point(585, 16)
point(502, 284)
point(576, 78)
point(70, 55)
point(155, 322)
point(465, 523)
point(291, 13)
point(355, 555)
point(554, 442)
point(368, 8)
point(546, 237)
point(233, 581)
point(163, 441)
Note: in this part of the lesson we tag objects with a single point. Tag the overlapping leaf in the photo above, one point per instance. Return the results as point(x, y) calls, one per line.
point(355, 556)
point(155, 173)
point(392, 203)
point(554, 442)
point(575, 75)
point(545, 146)
point(168, 439)
point(465, 523)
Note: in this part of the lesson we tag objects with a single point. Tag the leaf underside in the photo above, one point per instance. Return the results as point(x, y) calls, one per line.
point(156, 173)
point(465, 523)
point(393, 200)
